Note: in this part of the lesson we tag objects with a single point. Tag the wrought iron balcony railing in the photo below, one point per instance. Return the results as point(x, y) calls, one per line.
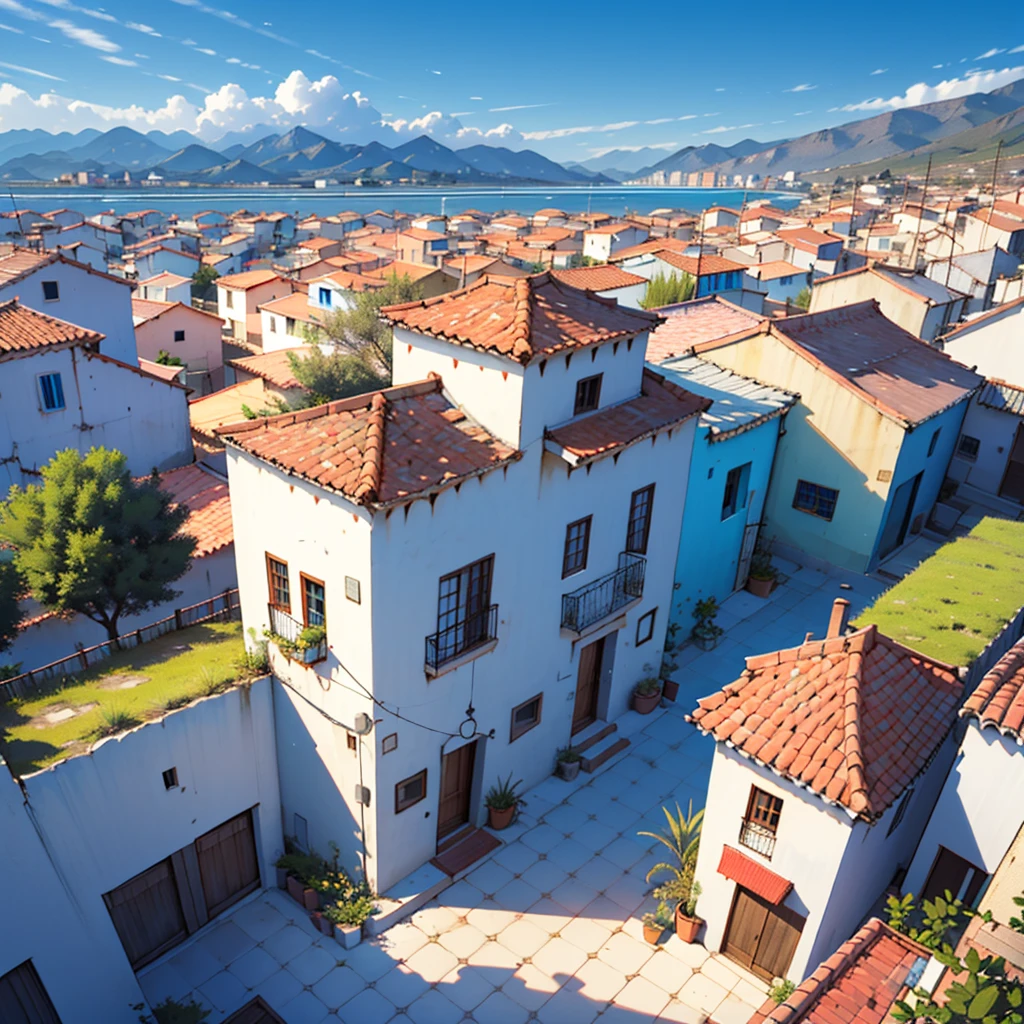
point(758, 838)
point(604, 596)
point(290, 630)
point(473, 631)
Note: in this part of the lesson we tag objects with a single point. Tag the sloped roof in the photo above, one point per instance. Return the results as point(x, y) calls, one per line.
point(248, 279)
point(22, 262)
point(24, 330)
point(854, 719)
point(998, 702)
point(707, 263)
point(209, 506)
point(377, 449)
point(1004, 397)
point(995, 313)
point(522, 319)
point(599, 278)
point(161, 371)
point(274, 367)
point(692, 323)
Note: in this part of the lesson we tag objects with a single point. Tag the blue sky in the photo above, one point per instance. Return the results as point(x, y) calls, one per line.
point(562, 79)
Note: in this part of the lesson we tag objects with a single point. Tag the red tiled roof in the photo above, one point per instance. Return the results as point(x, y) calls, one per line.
point(274, 367)
point(159, 370)
point(709, 263)
point(853, 718)
point(377, 449)
point(771, 270)
point(248, 279)
point(806, 238)
point(421, 234)
point(998, 702)
point(998, 221)
point(858, 984)
point(316, 244)
point(599, 278)
point(23, 330)
point(692, 323)
point(660, 406)
point(209, 506)
point(523, 319)
point(651, 245)
point(753, 876)
point(22, 262)
point(350, 281)
point(609, 229)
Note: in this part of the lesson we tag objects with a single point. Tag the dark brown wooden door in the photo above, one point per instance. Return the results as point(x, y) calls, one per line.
point(1013, 479)
point(760, 936)
point(147, 913)
point(950, 871)
point(587, 682)
point(227, 863)
point(456, 789)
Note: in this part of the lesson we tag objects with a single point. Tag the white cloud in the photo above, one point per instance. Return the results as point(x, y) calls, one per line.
point(66, 5)
point(208, 52)
point(601, 150)
point(169, 78)
point(21, 10)
point(502, 135)
point(121, 62)
point(803, 113)
point(947, 89)
point(86, 36)
point(719, 90)
point(729, 128)
point(519, 106)
point(479, 99)
point(30, 71)
point(1017, 49)
point(994, 52)
point(803, 87)
point(10, 28)
point(879, 71)
point(138, 26)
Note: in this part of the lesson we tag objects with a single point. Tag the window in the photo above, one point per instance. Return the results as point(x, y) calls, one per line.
point(588, 394)
point(577, 544)
point(463, 608)
point(933, 442)
point(353, 743)
point(51, 291)
point(761, 822)
point(734, 497)
point(645, 627)
point(314, 601)
point(389, 743)
point(277, 581)
point(815, 500)
point(639, 520)
point(273, 325)
point(51, 392)
point(410, 791)
point(23, 997)
point(968, 447)
point(229, 298)
point(170, 778)
point(526, 716)
point(179, 335)
point(325, 296)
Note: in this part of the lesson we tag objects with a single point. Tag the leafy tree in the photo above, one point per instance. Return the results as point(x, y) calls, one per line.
point(12, 587)
point(164, 358)
point(90, 539)
point(665, 291)
point(204, 277)
point(339, 374)
point(803, 299)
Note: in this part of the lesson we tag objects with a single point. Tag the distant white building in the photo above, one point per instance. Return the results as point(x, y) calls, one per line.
point(600, 243)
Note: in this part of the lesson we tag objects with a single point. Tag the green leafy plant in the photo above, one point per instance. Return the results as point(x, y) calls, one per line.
point(172, 1011)
point(660, 918)
point(705, 611)
point(669, 664)
point(1017, 923)
point(682, 839)
point(351, 913)
point(648, 687)
point(12, 588)
point(939, 916)
point(310, 637)
point(665, 291)
point(164, 358)
point(504, 794)
point(254, 660)
point(803, 298)
point(569, 755)
point(114, 720)
point(781, 990)
point(761, 567)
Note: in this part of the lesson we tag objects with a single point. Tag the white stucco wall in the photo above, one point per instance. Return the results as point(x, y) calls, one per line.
point(201, 349)
point(90, 824)
point(996, 431)
point(993, 347)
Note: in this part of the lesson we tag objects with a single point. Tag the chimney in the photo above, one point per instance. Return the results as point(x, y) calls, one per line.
point(837, 621)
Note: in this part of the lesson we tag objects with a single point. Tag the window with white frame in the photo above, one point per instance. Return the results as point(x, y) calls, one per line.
point(51, 392)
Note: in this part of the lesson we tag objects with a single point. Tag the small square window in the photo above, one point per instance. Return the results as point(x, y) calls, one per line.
point(171, 778)
point(229, 299)
point(410, 791)
point(51, 392)
point(179, 335)
point(588, 395)
point(51, 291)
point(273, 325)
point(277, 580)
point(325, 296)
point(815, 500)
point(526, 716)
point(933, 442)
point(577, 544)
point(645, 627)
point(638, 528)
point(968, 447)
point(737, 483)
point(389, 743)
point(352, 742)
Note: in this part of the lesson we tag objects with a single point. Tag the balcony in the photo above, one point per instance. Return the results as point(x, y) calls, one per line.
point(604, 596)
point(307, 644)
point(447, 645)
point(757, 838)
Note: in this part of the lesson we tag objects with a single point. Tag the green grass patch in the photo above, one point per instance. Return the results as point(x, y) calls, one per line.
point(64, 718)
point(960, 599)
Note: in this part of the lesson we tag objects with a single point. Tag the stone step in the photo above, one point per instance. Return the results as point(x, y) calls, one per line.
point(603, 752)
point(592, 735)
point(406, 897)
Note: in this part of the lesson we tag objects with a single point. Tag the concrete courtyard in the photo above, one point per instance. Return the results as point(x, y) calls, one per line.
point(548, 927)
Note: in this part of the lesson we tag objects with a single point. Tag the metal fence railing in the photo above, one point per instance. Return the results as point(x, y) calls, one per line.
point(221, 608)
point(603, 597)
point(447, 644)
point(758, 838)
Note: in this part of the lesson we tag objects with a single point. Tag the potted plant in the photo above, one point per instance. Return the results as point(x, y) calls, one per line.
point(656, 922)
point(705, 633)
point(687, 922)
point(781, 990)
point(502, 801)
point(682, 839)
point(763, 574)
point(347, 916)
point(646, 695)
point(312, 644)
point(669, 665)
point(568, 763)
point(303, 871)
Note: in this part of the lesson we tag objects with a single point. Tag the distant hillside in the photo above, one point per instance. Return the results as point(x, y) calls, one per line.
point(504, 163)
point(191, 158)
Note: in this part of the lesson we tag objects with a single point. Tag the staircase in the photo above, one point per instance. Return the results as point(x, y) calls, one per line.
point(598, 743)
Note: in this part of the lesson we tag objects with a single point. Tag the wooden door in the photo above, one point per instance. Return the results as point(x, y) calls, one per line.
point(1013, 479)
point(456, 789)
point(23, 998)
point(147, 913)
point(951, 871)
point(760, 936)
point(227, 863)
point(898, 520)
point(587, 684)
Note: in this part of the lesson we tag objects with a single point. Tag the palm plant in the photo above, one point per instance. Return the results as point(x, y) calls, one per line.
point(682, 837)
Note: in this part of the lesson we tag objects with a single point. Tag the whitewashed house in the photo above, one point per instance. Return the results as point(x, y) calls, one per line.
point(239, 297)
point(608, 281)
point(975, 274)
point(475, 540)
point(989, 454)
point(60, 392)
point(990, 342)
point(167, 287)
point(71, 291)
point(828, 759)
point(1003, 226)
point(601, 242)
point(974, 822)
point(182, 331)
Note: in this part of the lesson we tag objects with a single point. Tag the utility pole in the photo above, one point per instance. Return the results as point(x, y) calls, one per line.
point(920, 219)
point(992, 208)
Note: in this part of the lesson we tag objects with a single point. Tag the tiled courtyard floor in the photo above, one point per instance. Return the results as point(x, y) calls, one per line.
point(548, 928)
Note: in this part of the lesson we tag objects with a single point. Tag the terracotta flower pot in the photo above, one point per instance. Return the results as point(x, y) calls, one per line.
point(760, 588)
point(322, 925)
point(652, 933)
point(644, 704)
point(295, 890)
point(687, 928)
point(670, 689)
point(499, 819)
point(311, 899)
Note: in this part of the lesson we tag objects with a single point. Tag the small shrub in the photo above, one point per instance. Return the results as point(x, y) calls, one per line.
point(114, 720)
point(173, 1011)
point(351, 913)
point(648, 687)
point(781, 990)
point(173, 703)
point(569, 755)
point(254, 660)
point(503, 795)
point(660, 918)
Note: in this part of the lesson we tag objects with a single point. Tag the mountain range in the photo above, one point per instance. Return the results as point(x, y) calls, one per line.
point(297, 156)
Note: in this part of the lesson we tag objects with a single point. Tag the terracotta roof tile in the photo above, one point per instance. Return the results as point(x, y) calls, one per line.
point(209, 506)
point(651, 245)
point(294, 306)
point(376, 449)
point(883, 708)
point(160, 370)
point(23, 330)
point(522, 319)
point(691, 323)
point(274, 367)
point(753, 876)
point(350, 281)
point(660, 406)
point(599, 278)
point(248, 279)
point(998, 702)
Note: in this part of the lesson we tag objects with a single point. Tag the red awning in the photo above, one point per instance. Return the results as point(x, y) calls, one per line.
point(753, 876)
